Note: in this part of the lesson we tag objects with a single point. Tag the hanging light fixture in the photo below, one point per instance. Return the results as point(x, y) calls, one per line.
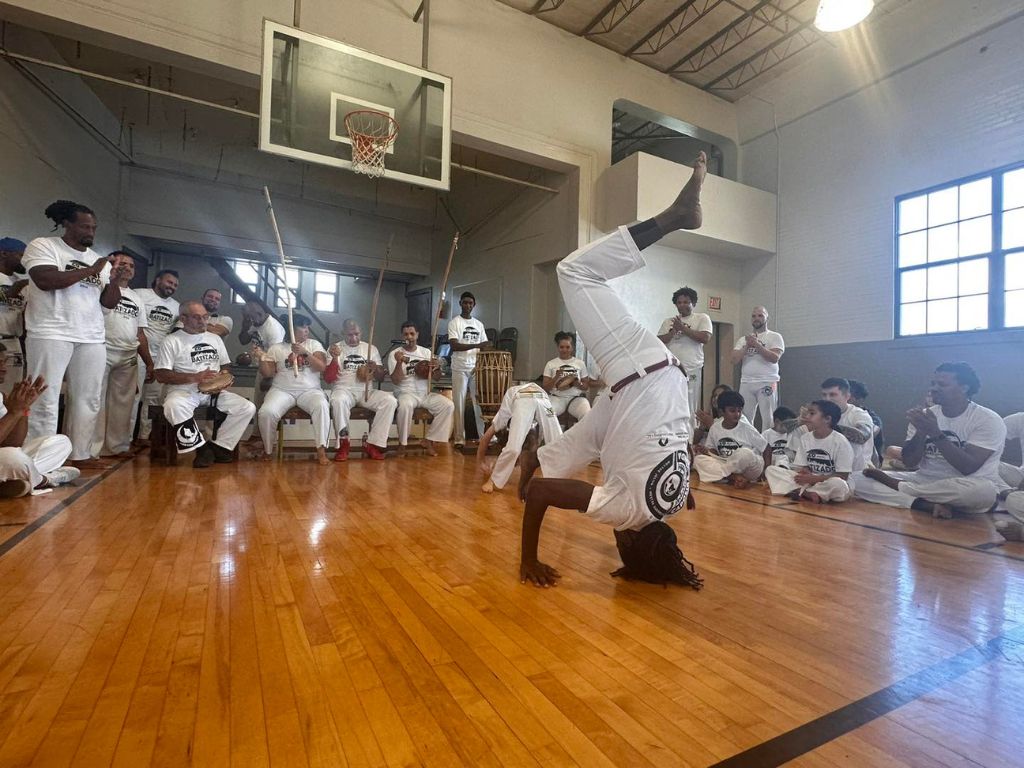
point(837, 15)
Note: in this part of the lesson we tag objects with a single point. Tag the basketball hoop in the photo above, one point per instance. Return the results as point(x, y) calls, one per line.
point(372, 134)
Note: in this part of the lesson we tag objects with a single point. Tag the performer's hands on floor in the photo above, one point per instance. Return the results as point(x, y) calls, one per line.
point(539, 574)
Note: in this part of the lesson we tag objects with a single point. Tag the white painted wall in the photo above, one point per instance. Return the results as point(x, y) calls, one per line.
point(955, 113)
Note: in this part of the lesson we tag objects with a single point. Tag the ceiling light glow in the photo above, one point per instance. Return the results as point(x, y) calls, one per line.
point(837, 15)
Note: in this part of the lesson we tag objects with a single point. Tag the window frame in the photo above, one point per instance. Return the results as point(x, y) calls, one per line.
point(996, 292)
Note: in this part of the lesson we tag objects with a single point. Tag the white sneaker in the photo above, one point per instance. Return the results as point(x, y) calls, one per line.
point(63, 476)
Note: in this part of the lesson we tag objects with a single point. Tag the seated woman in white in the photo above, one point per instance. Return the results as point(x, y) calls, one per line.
point(566, 379)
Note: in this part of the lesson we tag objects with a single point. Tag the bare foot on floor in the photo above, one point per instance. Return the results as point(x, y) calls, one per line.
point(685, 212)
point(813, 497)
point(321, 457)
point(429, 445)
point(487, 487)
point(942, 512)
point(528, 463)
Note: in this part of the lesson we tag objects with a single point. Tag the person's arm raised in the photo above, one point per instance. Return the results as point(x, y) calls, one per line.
point(542, 493)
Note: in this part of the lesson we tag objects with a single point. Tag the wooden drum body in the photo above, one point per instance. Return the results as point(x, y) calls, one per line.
point(493, 378)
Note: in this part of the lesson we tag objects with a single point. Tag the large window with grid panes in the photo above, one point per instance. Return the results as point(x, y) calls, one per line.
point(267, 281)
point(960, 255)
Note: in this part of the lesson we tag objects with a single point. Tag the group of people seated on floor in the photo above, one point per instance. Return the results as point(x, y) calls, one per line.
point(949, 463)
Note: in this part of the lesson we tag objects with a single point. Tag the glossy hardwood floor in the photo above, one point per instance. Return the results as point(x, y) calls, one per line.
point(369, 614)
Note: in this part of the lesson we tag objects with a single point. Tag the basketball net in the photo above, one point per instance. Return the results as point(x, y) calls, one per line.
point(372, 134)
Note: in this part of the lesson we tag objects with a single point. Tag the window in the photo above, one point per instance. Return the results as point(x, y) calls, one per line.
point(960, 256)
point(326, 290)
point(293, 277)
point(248, 273)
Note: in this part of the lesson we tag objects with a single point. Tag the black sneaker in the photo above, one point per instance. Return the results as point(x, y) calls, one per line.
point(222, 455)
point(204, 456)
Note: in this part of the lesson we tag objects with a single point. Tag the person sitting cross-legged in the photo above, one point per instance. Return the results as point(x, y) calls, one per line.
point(824, 460)
point(733, 450)
point(566, 379)
point(955, 445)
point(778, 453)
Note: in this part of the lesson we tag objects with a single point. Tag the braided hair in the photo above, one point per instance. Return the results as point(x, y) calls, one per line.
point(65, 212)
point(652, 555)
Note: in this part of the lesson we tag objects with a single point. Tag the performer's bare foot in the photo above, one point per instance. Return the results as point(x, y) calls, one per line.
point(813, 497)
point(685, 212)
point(528, 463)
point(321, 456)
point(1011, 530)
point(264, 456)
point(881, 477)
point(487, 487)
point(430, 447)
point(739, 481)
point(942, 512)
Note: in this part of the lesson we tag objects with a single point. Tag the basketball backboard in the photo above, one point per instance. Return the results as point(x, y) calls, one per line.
point(309, 83)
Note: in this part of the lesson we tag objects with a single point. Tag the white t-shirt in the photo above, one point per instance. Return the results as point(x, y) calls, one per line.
point(68, 314)
point(978, 426)
point(755, 369)
point(191, 353)
point(411, 384)
point(504, 414)
point(161, 314)
point(123, 321)
point(469, 331)
point(12, 308)
point(1014, 426)
point(859, 419)
point(268, 334)
point(726, 441)
point(285, 378)
point(226, 320)
point(350, 360)
point(688, 352)
point(826, 455)
point(779, 442)
point(573, 367)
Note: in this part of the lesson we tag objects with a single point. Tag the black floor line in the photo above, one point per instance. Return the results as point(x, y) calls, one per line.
point(59, 507)
point(989, 548)
point(809, 736)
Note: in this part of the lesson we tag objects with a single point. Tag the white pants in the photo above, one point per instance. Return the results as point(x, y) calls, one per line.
point(461, 382)
point(1011, 475)
point(742, 461)
point(694, 382)
point(120, 382)
point(383, 405)
point(34, 459)
point(525, 411)
point(1015, 505)
point(963, 494)
point(82, 366)
point(180, 406)
point(578, 407)
point(149, 394)
point(440, 407)
point(782, 481)
point(647, 422)
point(760, 398)
point(279, 401)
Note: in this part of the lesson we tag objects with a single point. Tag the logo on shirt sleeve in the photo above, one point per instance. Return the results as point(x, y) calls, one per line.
point(668, 485)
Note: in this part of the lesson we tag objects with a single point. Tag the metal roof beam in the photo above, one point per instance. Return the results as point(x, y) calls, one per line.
point(769, 57)
point(610, 17)
point(672, 26)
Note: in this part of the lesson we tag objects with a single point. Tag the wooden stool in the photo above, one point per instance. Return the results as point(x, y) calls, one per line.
point(293, 414)
point(163, 447)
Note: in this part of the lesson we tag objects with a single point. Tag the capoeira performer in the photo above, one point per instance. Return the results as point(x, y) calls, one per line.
point(409, 366)
point(685, 335)
point(522, 407)
point(824, 460)
point(639, 430)
point(34, 464)
point(353, 362)
point(69, 284)
point(566, 379)
point(732, 451)
point(126, 343)
point(288, 390)
point(162, 312)
point(758, 355)
point(466, 336)
point(12, 305)
point(191, 358)
point(955, 444)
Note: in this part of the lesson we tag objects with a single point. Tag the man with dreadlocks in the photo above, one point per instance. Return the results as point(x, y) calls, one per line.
point(639, 430)
point(69, 284)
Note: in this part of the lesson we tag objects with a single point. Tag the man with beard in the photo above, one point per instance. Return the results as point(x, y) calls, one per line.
point(188, 359)
point(69, 284)
point(955, 446)
point(12, 304)
point(295, 369)
point(685, 335)
point(467, 336)
point(353, 363)
point(407, 365)
point(759, 353)
point(639, 430)
point(162, 313)
point(126, 343)
point(219, 324)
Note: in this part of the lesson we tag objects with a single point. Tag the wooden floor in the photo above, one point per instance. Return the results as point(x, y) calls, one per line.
point(370, 614)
